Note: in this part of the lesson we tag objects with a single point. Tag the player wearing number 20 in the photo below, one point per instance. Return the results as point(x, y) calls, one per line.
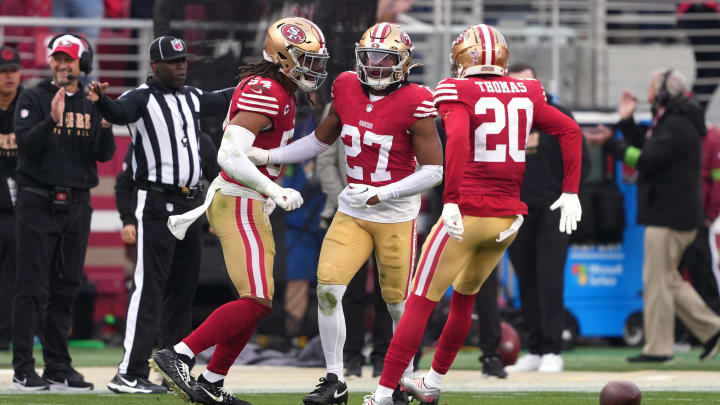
point(384, 123)
point(488, 117)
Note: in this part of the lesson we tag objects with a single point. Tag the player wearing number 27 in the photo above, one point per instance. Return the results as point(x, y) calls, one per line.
point(384, 123)
point(488, 117)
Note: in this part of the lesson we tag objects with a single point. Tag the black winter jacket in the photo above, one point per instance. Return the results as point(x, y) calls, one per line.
point(669, 193)
point(65, 153)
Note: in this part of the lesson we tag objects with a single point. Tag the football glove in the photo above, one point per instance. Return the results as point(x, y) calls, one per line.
point(259, 157)
point(286, 198)
point(453, 220)
point(570, 211)
point(358, 195)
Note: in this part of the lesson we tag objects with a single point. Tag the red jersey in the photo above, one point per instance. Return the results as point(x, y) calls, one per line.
point(266, 96)
point(710, 173)
point(378, 144)
point(487, 120)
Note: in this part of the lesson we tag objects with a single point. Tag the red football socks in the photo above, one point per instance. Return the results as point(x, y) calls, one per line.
point(454, 333)
point(407, 339)
point(227, 351)
point(228, 322)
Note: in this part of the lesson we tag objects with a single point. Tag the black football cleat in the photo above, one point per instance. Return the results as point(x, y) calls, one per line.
point(28, 382)
point(492, 366)
point(130, 384)
point(400, 396)
point(207, 393)
point(330, 391)
point(174, 371)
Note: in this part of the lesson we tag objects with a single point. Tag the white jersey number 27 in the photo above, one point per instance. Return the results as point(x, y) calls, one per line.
point(355, 147)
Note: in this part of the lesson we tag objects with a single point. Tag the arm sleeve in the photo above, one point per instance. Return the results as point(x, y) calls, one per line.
point(426, 178)
point(632, 132)
point(233, 160)
point(550, 120)
point(328, 170)
point(299, 151)
point(126, 109)
point(33, 131)
point(457, 149)
point(215, 102)
point(125, 191)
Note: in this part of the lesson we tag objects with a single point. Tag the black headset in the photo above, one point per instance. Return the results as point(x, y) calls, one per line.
point(663, 96)
point(86, 58)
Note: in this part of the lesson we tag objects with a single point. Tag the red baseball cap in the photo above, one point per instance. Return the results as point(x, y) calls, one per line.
point(68, 44)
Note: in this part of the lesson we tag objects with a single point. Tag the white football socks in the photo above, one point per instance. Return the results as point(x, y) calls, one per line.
point(212, 377)
point(331, 322)
point(382, 392)
point(182, 348)
point(433, 379)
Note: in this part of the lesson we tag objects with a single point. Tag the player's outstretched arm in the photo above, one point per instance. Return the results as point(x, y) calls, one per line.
point(237, 140)
point(428, 151)
point(305, 148)
point(551, 120)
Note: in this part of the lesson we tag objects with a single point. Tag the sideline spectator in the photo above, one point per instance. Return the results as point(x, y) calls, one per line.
point(667, 158)
point(163, 118)
point(10, 89)
point(539, 251)
point(60, 138)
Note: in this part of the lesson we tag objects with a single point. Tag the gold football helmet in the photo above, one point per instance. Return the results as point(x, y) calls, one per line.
point(297, 46)
point(383, 55)
point(480, 49)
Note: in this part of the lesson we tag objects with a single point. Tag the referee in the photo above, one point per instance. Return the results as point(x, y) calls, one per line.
point(163, 118)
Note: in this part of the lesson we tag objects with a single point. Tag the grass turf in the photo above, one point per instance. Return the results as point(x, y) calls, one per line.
point(514, 398)
point(580, 359)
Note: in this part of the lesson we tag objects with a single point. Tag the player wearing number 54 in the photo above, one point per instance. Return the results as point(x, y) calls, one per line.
point(384, 122)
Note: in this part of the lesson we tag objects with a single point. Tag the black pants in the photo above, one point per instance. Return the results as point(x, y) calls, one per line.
point(538, 255)
point(8, 248)
point(51, 245)
point(488, 313)
point(165, 278)
point(354, 306)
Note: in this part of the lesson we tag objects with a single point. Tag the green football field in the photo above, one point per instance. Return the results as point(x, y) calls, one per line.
point(579, 359)
point(515, 398)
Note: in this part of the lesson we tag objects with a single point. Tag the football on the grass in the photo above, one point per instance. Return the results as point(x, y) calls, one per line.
point(509, 344)
point(620, 393)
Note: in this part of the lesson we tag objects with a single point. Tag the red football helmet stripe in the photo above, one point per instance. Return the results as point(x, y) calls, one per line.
point(492, 46)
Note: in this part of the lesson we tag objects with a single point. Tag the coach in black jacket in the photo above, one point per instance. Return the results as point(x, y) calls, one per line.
point(163, 117)
point(667, 158)
point(60, 140)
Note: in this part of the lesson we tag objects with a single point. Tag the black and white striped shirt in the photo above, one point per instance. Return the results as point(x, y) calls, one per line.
point(164, 125)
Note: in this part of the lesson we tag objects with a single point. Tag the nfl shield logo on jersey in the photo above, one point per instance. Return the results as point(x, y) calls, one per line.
point(169, 207)
point(369, 108)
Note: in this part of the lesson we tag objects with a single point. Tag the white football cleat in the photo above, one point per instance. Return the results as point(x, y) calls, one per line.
point(551, 363)
point(528, 362)
point(417, 389)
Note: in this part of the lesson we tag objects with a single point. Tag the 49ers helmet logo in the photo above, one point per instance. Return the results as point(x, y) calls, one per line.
point(293, 33)
point(406, 39)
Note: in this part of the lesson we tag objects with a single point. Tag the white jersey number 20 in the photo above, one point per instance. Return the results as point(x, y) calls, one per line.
point(504, 117)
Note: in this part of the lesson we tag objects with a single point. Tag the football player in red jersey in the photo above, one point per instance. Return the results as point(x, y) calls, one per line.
point(261, 114)
point(488, 117)
point(385, 123)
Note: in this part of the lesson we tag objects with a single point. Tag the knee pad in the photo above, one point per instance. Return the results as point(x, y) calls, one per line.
point(329, 297)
